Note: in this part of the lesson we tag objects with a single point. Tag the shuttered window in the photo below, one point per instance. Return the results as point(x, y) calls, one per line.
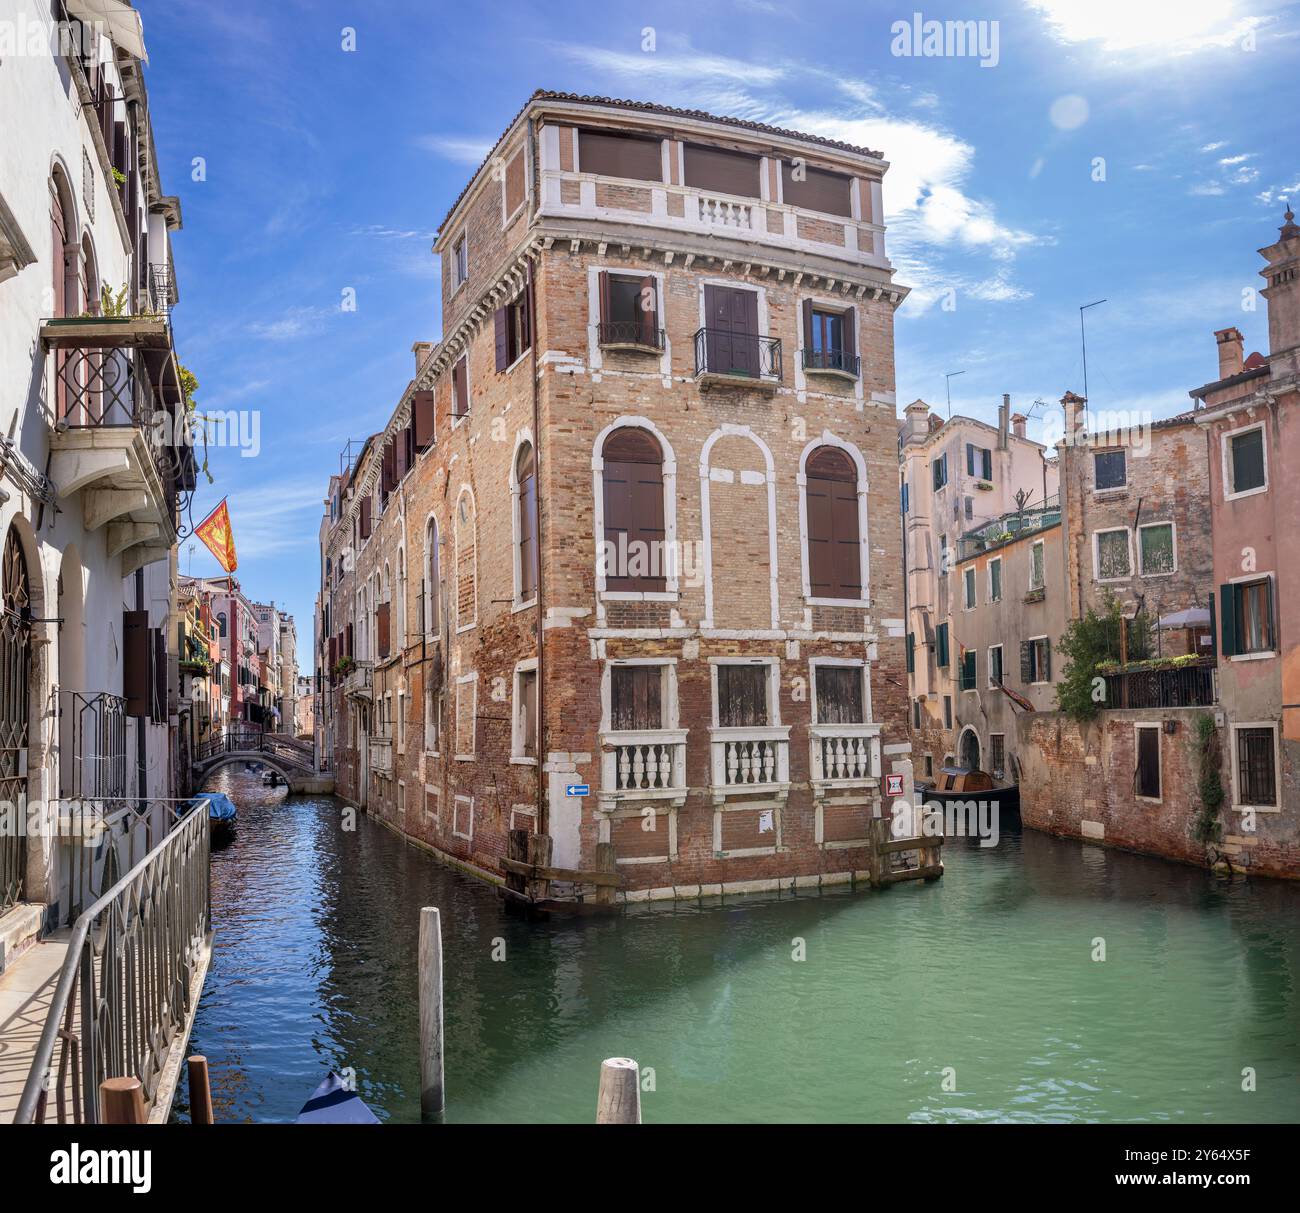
point(382, 628)
point(365, 520)
point(511, 332)
point(839, 695)
point(834, 550)
point(979, 461)
point(460, 389)
point(611, 154)
point(629, 310)
point(911, 652)
point(423, 419)
point(1246, 608)
point(634, 512)
point(1036, 660)
point(635, 697)
point(526, 523)
point(512, 184)
point(1247, 460)
point(137, 663)
point(742, 696)
point(721, 171)
point(814, 189)
point(968, 672)
point(941, 646)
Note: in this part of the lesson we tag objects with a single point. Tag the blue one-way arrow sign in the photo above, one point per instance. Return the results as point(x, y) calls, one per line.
point(577, 789)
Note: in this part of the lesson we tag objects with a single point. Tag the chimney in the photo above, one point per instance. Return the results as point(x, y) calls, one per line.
point(916, 421)
point(1004, 411)
point(1072, 403)
point(1229, 352)
point(935, 422)
point(1018, 424)
point(421, 351)
point(1283, 292)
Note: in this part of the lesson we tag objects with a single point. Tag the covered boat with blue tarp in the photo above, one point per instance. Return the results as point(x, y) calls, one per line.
point(221, 810)
point(333, 1103)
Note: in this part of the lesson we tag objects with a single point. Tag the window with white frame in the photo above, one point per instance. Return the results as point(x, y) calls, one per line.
point(968, 588)
point(523, 747)
point(1112, 558)
point(638, 697)
point(839, 692)
point(462, 821)
point(1037, 572)
point(466, 709)
point(401, 722)
point(1157, 554)
point(995, 579)
point(1245, 461)
point(1146, 772)
point(460, 261)
point(1255, 766)
point(742, 694)
point(995, 665)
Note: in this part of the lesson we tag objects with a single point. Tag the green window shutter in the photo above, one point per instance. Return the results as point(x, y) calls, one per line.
point(1228, 610)
point(941, 646)
point(1214, 630)
point(1271, 621)
point(911, 652)
point(1047, 660)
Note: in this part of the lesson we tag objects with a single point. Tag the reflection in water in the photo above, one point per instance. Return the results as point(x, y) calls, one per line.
point(988, 971)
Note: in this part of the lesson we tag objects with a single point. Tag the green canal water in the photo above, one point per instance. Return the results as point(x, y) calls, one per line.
point(986, 976)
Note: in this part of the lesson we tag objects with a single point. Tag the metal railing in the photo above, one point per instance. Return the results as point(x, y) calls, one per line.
point(92, 744)
point(745, 355)
point(254, 740)
point(631, 332)
point(1187, 686)
point(831, 360)
point(126, 990)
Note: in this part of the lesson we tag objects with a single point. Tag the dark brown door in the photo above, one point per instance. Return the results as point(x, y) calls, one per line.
point(731, 321)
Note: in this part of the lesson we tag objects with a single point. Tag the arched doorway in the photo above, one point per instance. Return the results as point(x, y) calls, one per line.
point(969, 749)
point(15, 716)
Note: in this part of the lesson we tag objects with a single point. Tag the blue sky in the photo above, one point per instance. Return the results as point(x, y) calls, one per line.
point(327, 170)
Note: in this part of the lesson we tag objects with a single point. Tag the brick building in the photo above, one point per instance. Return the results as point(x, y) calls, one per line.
point(659, 432)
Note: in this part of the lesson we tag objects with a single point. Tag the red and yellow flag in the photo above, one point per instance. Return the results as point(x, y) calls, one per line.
point(218, 538)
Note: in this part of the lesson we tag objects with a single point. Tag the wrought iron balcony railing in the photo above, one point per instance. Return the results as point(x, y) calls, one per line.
point(832, 360)
point(732, 355)
point(1186, 686)
point(631, 333)
point(92, 745)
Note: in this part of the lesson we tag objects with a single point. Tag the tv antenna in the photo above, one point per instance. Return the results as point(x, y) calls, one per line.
point(947, 384)
point(1083, 342)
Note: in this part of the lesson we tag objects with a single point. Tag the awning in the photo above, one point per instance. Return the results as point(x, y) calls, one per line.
point(119, 20)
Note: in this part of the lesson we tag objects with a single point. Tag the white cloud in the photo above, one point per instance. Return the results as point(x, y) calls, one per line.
point(666, 63)
point(1236, 159)
point(296, 322)
point(1214, 147)
point(461, 149)
point(1178, 27)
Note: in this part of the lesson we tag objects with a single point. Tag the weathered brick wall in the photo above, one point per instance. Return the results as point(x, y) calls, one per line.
point(1078, 782)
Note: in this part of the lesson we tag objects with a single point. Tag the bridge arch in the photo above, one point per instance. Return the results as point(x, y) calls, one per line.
point(206, 769)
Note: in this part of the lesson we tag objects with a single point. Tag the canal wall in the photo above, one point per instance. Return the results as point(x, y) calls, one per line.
point(1078, 780)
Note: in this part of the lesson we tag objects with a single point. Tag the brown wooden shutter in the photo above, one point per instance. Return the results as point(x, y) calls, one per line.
point(460, 389)
point(348, 635)
point(137, 660)
point(807, 324)
point(606, 311)
point(850, 336)
point(834, 556)
point(649, 317)
point(365, 516)
point(388, 473)
point(159, 706)
point(528, 527)
point(635, 693)
point(501, 324)
point(423, 419)
point(400, 454)
point(334, 652)
point(634, 503)
point(381, 626)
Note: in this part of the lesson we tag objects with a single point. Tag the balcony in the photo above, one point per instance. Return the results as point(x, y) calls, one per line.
point(1188, 685)
point(727, 358)
point(359, 681)
point(116, 438)
point(750, 761)
point(381, 755)
point(92, 745)
point(642, 766)
point(844, 757)
point(630, 335)
point(835, 363)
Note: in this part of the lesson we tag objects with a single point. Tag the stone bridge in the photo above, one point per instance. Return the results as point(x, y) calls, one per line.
point(292, 760)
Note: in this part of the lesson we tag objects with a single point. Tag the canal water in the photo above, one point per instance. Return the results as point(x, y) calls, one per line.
point(974, 998)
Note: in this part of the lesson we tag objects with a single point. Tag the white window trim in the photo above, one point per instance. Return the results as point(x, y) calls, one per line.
point(436, 792)
point(456, 280)
point(669, 473)
point(431, 524)
point(764, 329)
point(826, 438)
point(728, 430)
point(1173, 547)
point(969, 577)
point(1271, 578)
point(1038, 682)
point(520, 603)
point(988, 662)
point(825, 303)
point(524, 810)
point(1000, 772)
point(465, 490)
point(773, 665)
point(668, 702)
point(595, 355)
point(1001, 578)
point(1225, 452)
point(469, 800)
point(1037, 543)
point(1138, 725)
point(517, 756)
point(473, 712)
point(1096, 555)
point(1237, 806)
point(814, 663)
point(1114, 488)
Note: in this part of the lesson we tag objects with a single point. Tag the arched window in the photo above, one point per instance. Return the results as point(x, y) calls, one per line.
point(526, 521)
point(634, 555)
point(834, 551)
point(432, 579)
point(399, 596)
point(221, 624)
point(466, 561)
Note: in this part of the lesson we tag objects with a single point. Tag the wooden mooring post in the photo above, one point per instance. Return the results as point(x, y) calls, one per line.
point(121, 1102)
point(432, 1087)
point(200, 1090)
point(619, 1099)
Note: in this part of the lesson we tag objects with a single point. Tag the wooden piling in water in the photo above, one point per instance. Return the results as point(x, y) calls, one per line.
point(606, 861)
point(540, 849)
point(121, 1102)
point(619, 1099)
point(200, 1090)
point(432, 1086)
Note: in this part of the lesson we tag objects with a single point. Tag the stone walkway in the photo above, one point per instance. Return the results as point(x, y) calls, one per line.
point(26, 990)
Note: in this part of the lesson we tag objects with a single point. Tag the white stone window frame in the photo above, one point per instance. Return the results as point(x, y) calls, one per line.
point(826, 438)
point(1237, 806)
point(464, 680)
point(1002, 580)
point(1173, 547)
point(1158, 726)
point(1096, 555)
point(668, 694)
point(1032, 640)
point(595, 355)
point(1271, 578)
point(970, 728)
point(505, 162)
point(519, 602)
point(517, 756)
point(431, 523)
point(969, 582)
point(524, 810)
point(399, 721)
point(1002, 666)
point(1000, 772)
point(465, 490)
point(826, 303)
point(457, 241)
point(747, 476)
point(432, 790)
point(668, 470)
point(1225, 453)
point(764, 323)
point(1037, 543)
point(455, 817)
point(773, 685)
point(458, 418)
point(859, 663)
